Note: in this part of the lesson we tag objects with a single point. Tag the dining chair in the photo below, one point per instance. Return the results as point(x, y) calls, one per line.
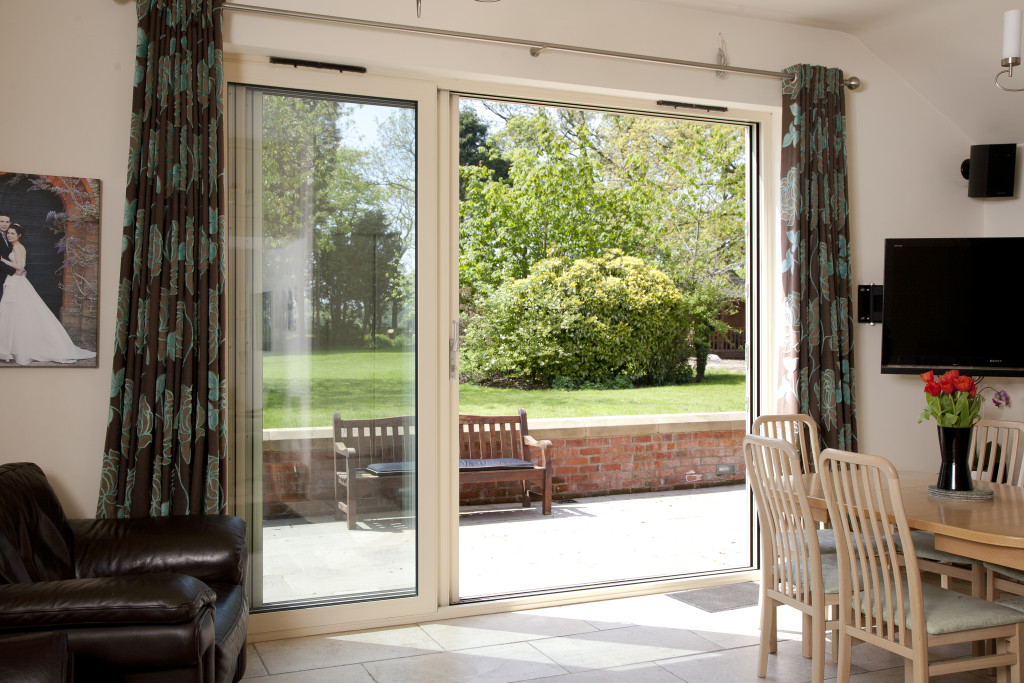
point(995, 456)
point(800, 431)
point(794, 572)
point(996, 451)
point(894, 610)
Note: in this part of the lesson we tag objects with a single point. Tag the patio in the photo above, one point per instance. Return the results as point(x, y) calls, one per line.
point(505, 548)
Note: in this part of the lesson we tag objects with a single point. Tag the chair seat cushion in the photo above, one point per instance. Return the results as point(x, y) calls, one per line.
point(1009, 572)
point(384, 469)
point(481, 464)
point(946, 611)
point(924, 547)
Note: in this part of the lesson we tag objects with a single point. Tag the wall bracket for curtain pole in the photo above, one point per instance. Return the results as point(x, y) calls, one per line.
point(534, 47)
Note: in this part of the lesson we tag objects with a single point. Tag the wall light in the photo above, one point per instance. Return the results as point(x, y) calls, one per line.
point(1011, 47)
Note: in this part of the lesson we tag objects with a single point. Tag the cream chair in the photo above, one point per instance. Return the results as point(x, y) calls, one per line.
point(793, 570)
point(797, 429)
point(896, 611)
point(800, 431)
point(996, 449)
point(995, 456)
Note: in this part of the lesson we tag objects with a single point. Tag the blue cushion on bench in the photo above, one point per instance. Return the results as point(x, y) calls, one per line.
point(494, 464)
point(383, 469)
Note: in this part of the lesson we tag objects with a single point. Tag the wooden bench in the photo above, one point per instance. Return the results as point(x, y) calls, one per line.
point(375, 461)
point(496, 449)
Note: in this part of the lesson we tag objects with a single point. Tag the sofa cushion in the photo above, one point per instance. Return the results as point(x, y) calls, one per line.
point(35, 540)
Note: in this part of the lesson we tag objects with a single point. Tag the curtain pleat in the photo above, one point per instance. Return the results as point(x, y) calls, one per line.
point(817, 349)
point(166, 439)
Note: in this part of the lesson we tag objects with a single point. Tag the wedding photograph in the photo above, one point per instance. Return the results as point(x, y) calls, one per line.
point(49, 270)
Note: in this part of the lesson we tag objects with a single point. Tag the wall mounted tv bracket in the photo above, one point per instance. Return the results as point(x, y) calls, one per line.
point(869, 303)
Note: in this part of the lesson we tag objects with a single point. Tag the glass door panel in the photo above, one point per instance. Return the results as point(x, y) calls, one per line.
point(330, 262)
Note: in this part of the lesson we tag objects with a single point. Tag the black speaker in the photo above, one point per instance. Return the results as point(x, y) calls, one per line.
point(990, 170)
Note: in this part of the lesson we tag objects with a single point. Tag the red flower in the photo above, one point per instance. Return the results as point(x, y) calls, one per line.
point(946, 384)
point(965, 383)
point(973, 391)
point(950, 375)
point(928, 377)
point(933, 388)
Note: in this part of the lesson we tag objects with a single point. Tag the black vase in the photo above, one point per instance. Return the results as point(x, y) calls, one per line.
point(955, 470)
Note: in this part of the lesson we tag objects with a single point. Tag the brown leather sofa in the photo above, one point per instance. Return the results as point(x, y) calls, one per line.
point(154, 599)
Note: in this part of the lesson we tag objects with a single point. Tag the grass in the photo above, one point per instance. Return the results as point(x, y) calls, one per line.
point(302, 391)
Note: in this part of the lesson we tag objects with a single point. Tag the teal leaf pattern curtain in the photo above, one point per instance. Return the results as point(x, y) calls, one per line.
point(817, 349)
point(166, 433)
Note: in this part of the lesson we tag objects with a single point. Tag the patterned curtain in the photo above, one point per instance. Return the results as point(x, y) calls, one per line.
point(817, 349)
point(166, 438)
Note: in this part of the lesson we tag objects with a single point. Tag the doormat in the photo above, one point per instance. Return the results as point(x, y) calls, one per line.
point(720, 598)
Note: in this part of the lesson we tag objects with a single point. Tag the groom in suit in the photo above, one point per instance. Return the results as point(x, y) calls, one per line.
point(5, 252)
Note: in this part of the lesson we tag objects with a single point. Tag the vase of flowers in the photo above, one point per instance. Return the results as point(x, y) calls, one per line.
point(954, 401)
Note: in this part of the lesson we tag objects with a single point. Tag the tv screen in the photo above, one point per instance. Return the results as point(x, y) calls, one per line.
point(953, 303)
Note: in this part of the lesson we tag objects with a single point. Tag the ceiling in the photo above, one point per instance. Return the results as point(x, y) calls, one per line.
point(841, 15)
point(946, 50)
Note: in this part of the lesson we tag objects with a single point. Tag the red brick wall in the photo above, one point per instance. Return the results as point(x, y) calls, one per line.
point(300, 475)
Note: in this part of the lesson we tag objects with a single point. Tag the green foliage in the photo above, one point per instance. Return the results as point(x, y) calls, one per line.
point(583, 320)
point(556, 204)
point(669, 191)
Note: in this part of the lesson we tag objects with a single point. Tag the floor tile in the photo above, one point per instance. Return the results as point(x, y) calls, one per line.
point(496, 664)
point(353, 673)
point(496, 629)
point(319, 652)
point(253, 664)
point(648, 672)
point(623, 646)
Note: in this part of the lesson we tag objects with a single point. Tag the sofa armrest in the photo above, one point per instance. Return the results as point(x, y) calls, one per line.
point(36, 657)
point(121, 600)
point(207, 547)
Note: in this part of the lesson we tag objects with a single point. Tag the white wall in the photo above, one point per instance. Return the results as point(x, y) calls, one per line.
point(66, 102)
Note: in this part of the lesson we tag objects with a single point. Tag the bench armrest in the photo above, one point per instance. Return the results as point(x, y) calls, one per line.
point(115, 600)
point(207, 547)
point(543, 447)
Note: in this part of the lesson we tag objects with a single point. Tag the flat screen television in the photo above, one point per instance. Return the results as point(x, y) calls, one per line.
point(954, 303)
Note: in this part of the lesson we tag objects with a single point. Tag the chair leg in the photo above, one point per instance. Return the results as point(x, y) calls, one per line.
point(845, 647)
point(526, 495)
point(818, 646)
point(769, 637)
point(978, 590)
point(807, 636)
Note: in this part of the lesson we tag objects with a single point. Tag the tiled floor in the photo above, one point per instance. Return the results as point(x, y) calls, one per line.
point(652, 638)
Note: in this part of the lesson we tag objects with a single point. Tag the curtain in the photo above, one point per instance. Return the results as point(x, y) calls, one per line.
point(817, 349)
point(166, 439)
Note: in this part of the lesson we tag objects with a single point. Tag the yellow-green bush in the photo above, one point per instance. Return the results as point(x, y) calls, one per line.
point(589, 320)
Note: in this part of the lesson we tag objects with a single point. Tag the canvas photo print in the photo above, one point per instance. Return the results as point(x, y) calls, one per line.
point(49, 270)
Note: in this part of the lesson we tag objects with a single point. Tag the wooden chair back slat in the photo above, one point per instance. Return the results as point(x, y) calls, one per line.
point(866, 508)
point(790, 555)
point(996, 451)
point(797, 429)
point(492, 436)
point(386, 439)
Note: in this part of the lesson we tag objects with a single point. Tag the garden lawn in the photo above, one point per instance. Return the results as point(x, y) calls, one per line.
point(305, 391)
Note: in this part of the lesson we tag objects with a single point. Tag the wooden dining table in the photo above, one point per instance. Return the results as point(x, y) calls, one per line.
point(985, 530)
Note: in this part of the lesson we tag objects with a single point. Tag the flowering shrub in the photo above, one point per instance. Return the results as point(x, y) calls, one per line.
point(954, 400)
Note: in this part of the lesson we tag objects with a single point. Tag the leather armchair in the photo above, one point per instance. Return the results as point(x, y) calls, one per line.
point(137, 599)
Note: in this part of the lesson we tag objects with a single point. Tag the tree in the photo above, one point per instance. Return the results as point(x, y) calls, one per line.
point(555, 205)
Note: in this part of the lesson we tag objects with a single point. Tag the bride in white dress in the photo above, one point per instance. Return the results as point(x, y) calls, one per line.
point(28, 329)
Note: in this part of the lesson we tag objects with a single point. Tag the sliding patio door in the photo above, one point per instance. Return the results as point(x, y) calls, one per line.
point(326, 229)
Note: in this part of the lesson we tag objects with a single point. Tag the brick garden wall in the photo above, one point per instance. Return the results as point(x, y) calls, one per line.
point(592, 456)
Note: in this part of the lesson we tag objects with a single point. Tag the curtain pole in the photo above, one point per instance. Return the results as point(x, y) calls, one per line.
point(535, 47)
